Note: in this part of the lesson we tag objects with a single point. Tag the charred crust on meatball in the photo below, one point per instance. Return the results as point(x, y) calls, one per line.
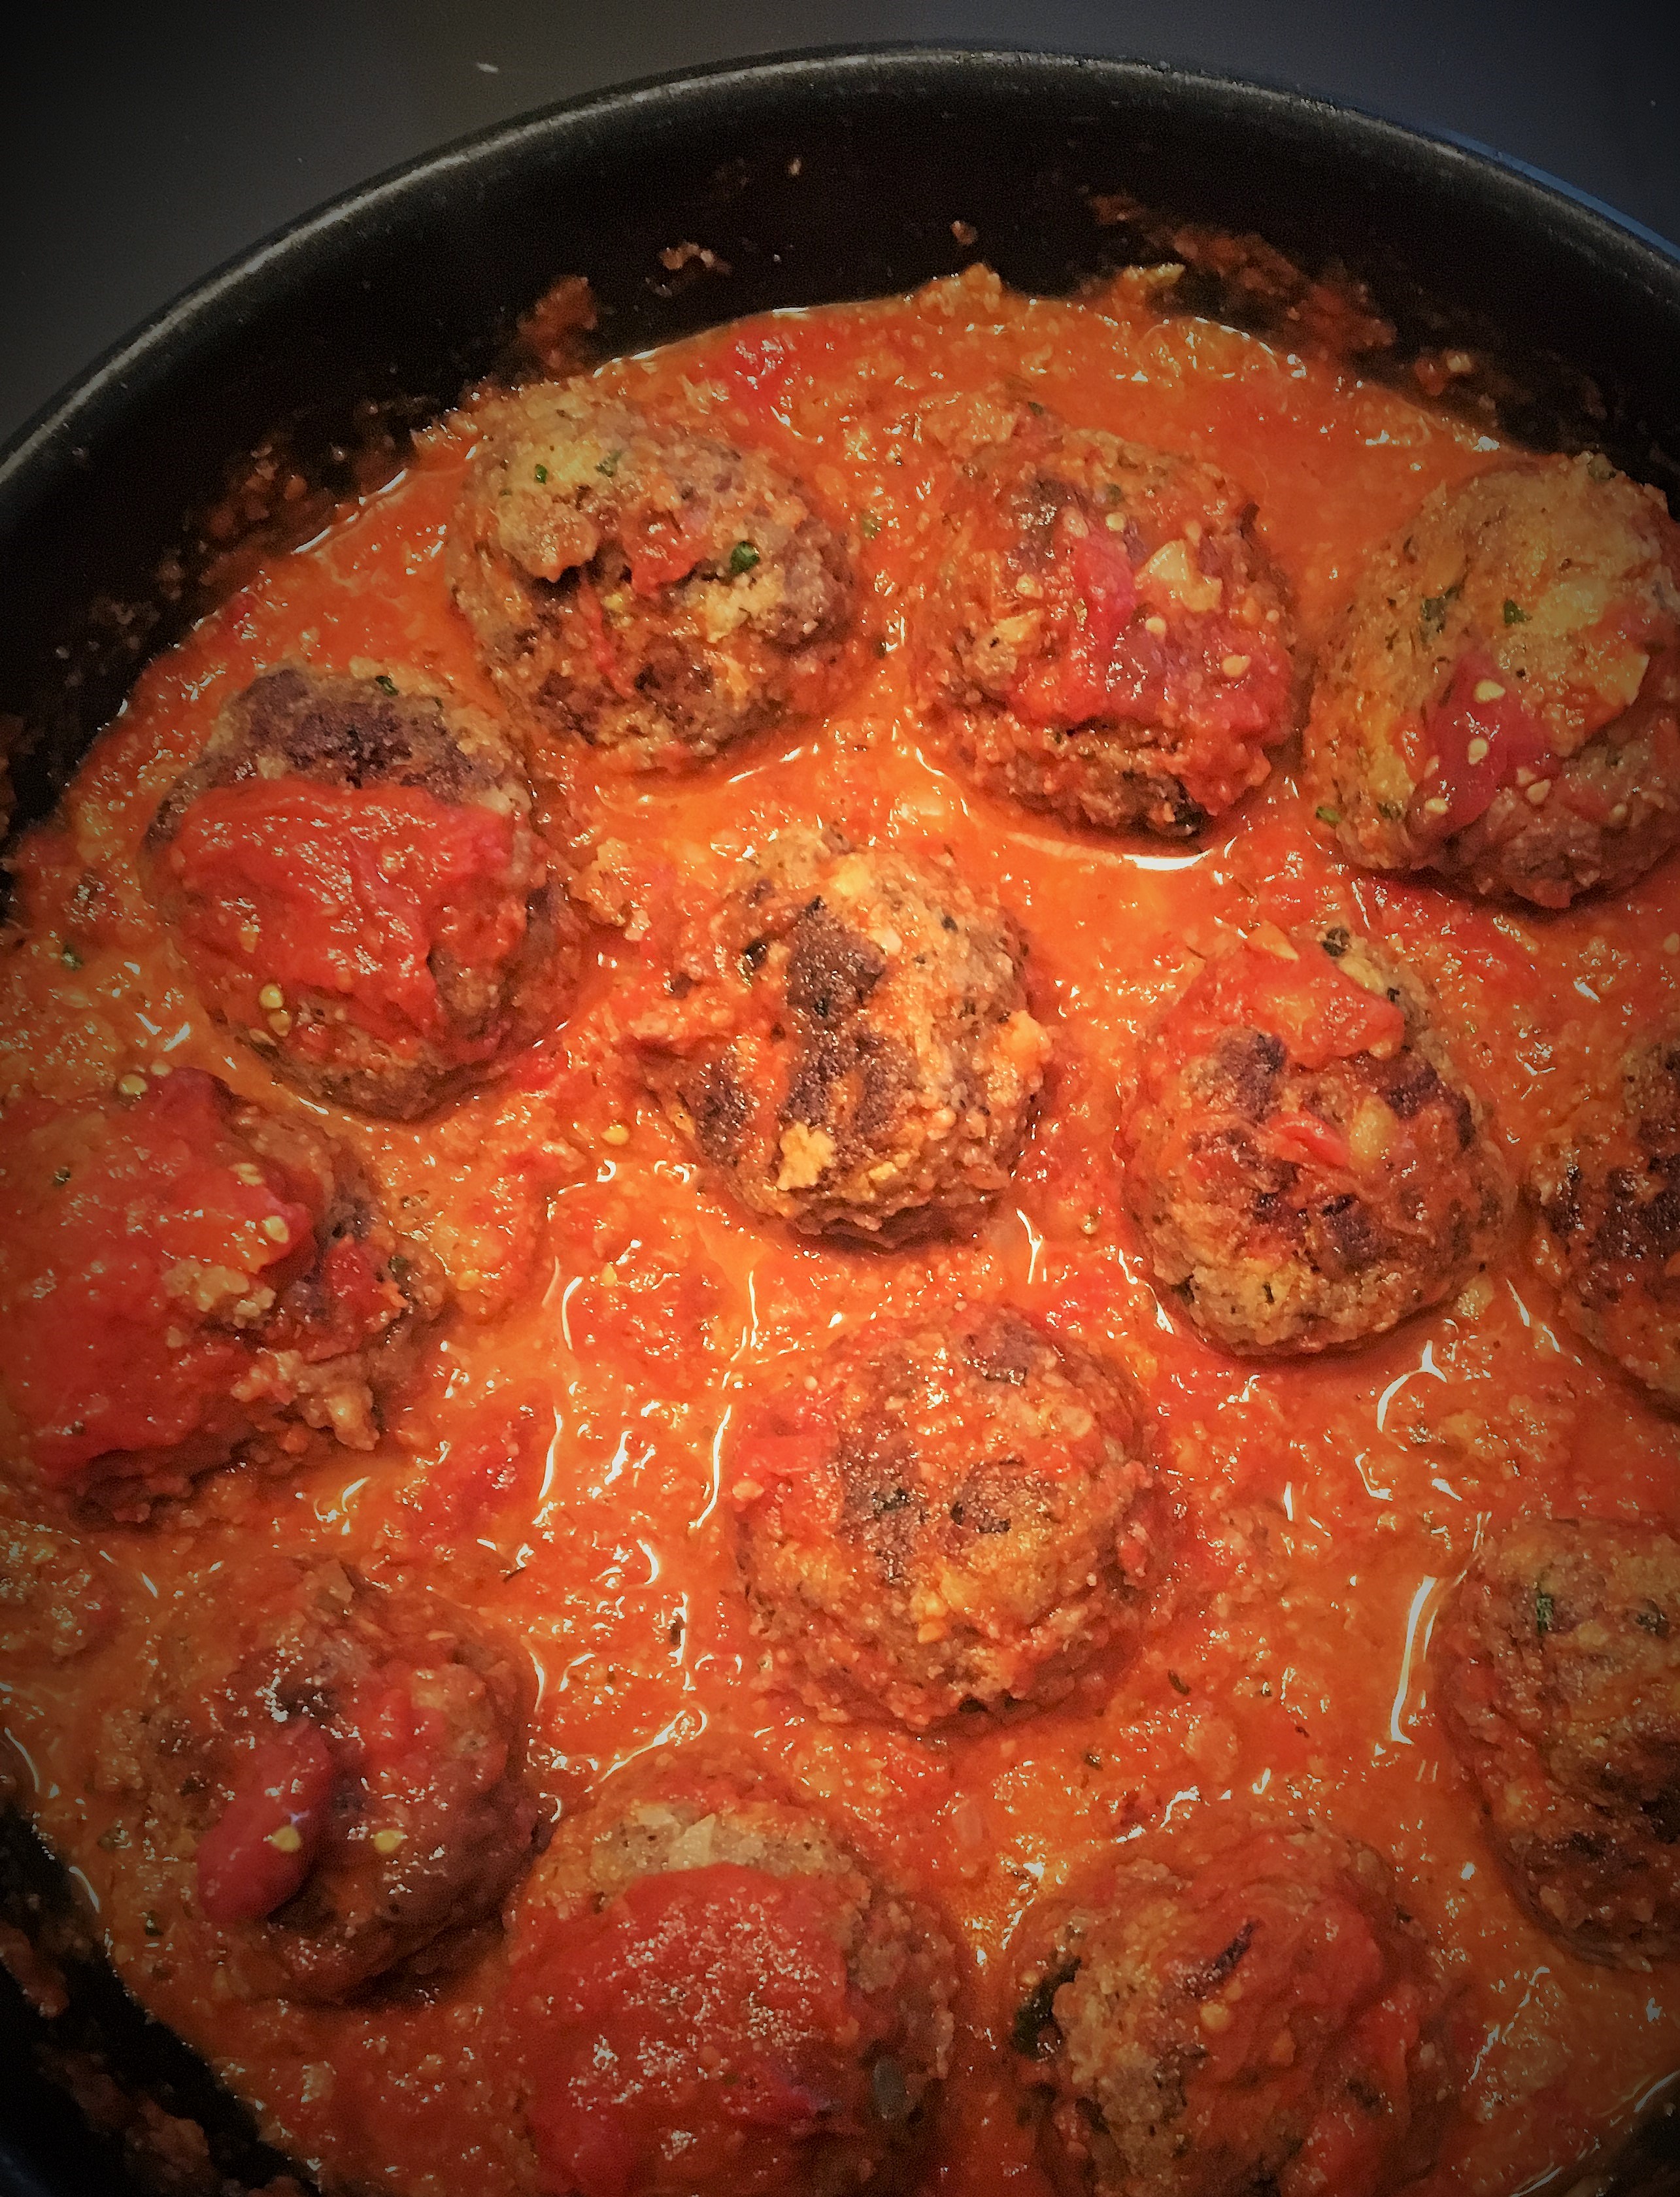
point(1303, 1160)
point(844, 1035)
point(641, 584)
point(1556, 1664)
point(1192, 2019)
point(947, 1515)
point(1606, 1189)
point(342, 732)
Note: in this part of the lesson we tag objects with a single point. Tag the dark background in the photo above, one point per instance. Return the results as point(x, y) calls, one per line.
point(140, 145)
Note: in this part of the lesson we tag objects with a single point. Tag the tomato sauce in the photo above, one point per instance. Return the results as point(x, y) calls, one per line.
point(564, 1460)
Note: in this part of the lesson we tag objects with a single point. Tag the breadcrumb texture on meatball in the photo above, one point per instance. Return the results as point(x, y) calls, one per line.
point(946, 1514)
point(1607, 1189)
point(719, 1999)
point(641, 583)
point(351, 870)
point(1108, 639)
point(844, 1037)
point(336, 1800)
point(1249, 2012)
point(1557, 1676)
point(182, 1275)
point(1500, 701)
point(1303, 1162)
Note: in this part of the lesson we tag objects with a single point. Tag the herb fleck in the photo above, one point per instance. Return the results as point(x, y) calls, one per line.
point(1326, 815)
point(742, 558)
point(608, 464)
point(60, 1176)
point(385, 685)
point(1651, 1620)
point(1177, 1684)
point(542, 475)
point(870, 525)
point(1543, 1607)
point(1433, 615)
point(70, 957)
point(1515, 613)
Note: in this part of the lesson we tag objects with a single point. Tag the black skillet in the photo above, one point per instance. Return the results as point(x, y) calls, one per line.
point(810, 179)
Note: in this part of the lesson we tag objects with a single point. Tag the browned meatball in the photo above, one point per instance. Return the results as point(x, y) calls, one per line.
point(1248, 2013)
point(350, 1781)
point(351, 870)
point(645, 586)
point(1608, 1192)
point(945, 1514)
point(715, 1998)
point(1107, 639)
point(1501, 699)
point(845, 1037)
point(1303, 1162)
point(183, 1276)
point(1557, 1676)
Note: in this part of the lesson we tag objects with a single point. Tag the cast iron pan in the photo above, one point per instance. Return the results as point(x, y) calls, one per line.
point(810, 179)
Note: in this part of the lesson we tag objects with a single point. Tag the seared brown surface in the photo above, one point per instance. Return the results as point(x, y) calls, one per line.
point(1558, 1678)
point(645, 586)
point(1304, 1160)
point(845, 1036)
point(1608, 1187)
point(950, 1514)
point(1235, 2015)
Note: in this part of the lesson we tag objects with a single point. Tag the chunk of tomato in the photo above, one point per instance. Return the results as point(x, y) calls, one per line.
point(260, 1850)
point(1481, 734)
point(1098, 593)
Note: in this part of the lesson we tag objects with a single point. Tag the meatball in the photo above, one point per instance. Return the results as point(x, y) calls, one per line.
point(347, 1786)
point(1557, 1677)
point(647, 587)
point(946, 1514)
point(1608, 1194)
point(717, 1999)
point(180, 1272)
point(352, 871)
point(1501, 699)
point(1108, 639)
point(845, 1038)
point(1254, 2011)
point(1305, 1165)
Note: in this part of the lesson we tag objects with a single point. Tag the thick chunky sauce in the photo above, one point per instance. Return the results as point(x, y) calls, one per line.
point(563, 1462)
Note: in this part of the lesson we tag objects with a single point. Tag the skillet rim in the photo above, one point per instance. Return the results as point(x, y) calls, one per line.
point(173, 345)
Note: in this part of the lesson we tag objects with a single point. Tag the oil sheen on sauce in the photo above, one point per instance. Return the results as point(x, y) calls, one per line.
point(559, 1463)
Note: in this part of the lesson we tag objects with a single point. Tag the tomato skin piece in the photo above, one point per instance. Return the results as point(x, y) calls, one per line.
point(1306, 1136)
point(283, 1793)
point(1513, 740)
